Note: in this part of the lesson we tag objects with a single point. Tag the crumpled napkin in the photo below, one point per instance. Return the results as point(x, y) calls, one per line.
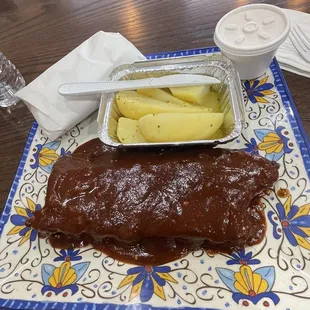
point(93, 60)
point(287, 56)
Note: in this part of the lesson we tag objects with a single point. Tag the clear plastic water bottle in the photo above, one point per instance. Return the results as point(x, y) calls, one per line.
point(10, 82)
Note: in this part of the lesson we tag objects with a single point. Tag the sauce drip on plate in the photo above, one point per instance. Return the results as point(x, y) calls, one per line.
point(283, 192)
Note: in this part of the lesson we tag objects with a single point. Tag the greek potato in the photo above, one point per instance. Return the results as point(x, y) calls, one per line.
point(192, 94)
point(162, 95)
point(211, 101)
point(218, 134)
point(134, 106)
point(128, 131)
point(169, 127)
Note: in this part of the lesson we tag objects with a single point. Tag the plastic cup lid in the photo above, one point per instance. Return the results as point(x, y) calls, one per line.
point(252, 29)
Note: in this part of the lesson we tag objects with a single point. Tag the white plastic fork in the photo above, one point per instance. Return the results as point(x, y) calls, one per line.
point(300, 42)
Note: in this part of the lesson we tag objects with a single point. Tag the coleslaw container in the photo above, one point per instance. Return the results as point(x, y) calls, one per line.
point(218, 66)
point(250, 36)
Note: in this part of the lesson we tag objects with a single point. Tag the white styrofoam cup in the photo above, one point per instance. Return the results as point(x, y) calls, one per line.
point(250, 36)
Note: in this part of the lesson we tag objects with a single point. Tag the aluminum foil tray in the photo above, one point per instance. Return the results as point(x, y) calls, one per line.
point(216, 65)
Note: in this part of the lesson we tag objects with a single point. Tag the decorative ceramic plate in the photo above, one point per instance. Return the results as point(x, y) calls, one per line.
point(273, 274)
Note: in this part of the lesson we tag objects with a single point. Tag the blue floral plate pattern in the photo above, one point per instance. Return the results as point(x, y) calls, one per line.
point(273, 274)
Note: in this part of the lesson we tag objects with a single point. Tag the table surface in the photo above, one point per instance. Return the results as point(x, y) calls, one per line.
point(37, 33)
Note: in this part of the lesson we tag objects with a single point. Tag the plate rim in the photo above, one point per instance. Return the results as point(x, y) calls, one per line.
point(300, 136)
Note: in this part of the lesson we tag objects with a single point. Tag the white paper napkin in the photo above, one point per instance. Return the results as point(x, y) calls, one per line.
point(287, 56)
point(93, 60)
